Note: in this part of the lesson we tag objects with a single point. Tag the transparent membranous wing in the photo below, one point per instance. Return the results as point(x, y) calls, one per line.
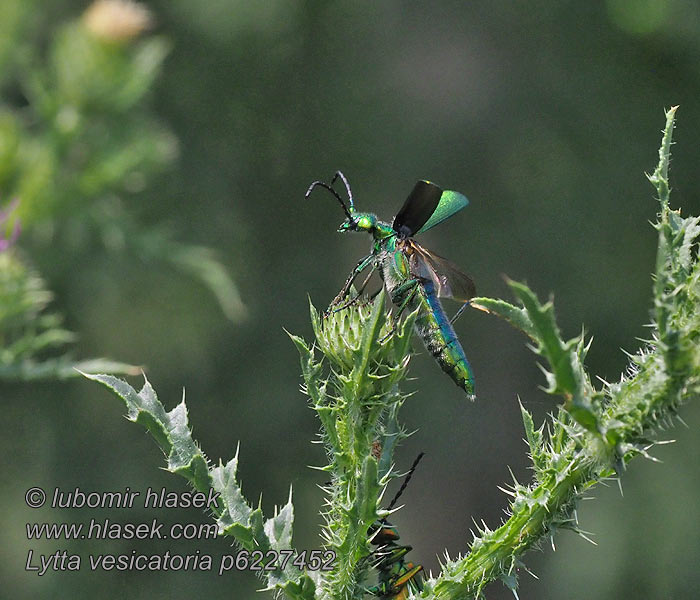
point(449, 280)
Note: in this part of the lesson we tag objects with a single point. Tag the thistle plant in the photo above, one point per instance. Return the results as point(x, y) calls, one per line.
point(33, 343)
point(78, 138)
point(352, 376)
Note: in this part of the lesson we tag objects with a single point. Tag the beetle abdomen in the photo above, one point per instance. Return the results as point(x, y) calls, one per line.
point(435, 329)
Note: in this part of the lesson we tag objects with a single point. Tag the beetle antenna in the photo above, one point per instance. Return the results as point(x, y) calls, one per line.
point(332, 191)
point(347, 186)
point(406, 480)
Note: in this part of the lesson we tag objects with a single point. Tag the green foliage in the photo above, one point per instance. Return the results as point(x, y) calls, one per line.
point(79, 136)
point(596, 431)
point(85, 131)
point(354, 389)
point(32, 341)
point(234, 515)
point(357, 402)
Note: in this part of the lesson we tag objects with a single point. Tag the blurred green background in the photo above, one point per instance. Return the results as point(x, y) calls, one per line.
point(545, 114)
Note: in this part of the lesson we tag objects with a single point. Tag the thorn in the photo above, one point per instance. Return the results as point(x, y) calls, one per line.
point(585, 537)
point(505, 491)
point(645, 454)
point(620, 466)
point(515, 481)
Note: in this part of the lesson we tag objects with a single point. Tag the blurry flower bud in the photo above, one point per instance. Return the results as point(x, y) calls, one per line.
point(116, 20)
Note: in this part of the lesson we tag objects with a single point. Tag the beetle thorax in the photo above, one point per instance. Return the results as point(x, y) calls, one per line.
point(383, 231)
point(391, 262)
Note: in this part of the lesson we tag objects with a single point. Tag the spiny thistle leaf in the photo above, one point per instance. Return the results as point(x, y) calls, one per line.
point(279, 528)
point(515, 315)
point(567, 377)
point(234, 515)
point(236, 518)
point(370, 334)
point(611, 425)
point(169, 429)
point(534, 440)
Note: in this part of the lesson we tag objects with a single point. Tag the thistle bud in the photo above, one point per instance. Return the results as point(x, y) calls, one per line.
point(116, 20)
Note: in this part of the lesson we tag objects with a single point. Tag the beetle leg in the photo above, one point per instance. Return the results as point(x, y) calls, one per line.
point(361, 266)
point(399, 290)
point(459, 312)
point(409, 285)
point(359, 292)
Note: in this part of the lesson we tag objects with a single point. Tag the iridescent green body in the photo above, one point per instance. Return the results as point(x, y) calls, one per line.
point(415, 279)
point(397, 578)
point(392, 259)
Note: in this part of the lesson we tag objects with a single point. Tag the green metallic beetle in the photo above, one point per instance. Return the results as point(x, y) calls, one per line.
point(414, 278)
point(397, 579)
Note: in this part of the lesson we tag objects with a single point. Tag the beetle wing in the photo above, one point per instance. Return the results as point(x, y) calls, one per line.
point(449, 280)
point(450, 202)
point(418, 208)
